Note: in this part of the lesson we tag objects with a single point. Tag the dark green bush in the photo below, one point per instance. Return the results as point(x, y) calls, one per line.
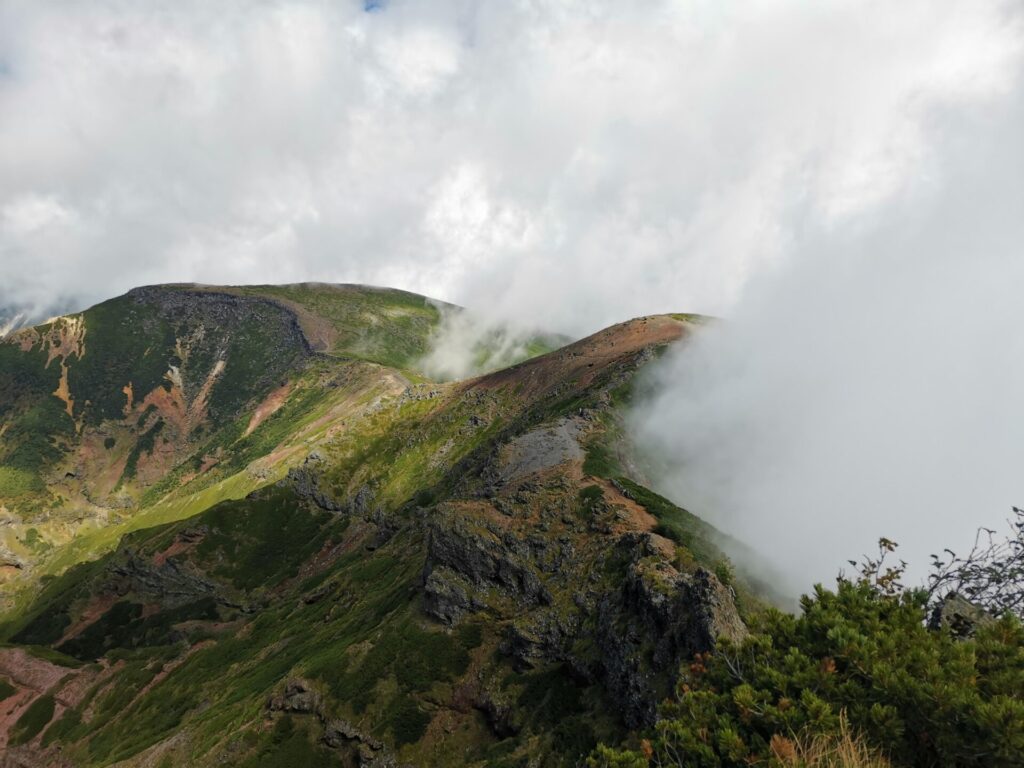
point(418, 658)
point(921, 696)
point(407, 721)
point(259, 542)
point(67, 727)
point(289, 746)
point(123, 626)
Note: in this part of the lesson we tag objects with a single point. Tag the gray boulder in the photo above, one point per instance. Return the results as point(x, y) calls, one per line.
point(960, 616)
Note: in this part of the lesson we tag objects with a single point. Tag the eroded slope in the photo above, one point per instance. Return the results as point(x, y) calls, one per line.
point(459, 576)
point(155, 405)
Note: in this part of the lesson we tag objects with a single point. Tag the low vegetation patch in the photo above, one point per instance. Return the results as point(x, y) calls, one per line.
point(855, 654)
point(17, 482)
point(261, 541)
point(32, 720)
point(289, 746)
point(124, 626)
point(677, 524)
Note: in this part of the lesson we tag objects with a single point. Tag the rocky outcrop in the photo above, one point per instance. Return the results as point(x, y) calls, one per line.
point(466, 561)
point(170, 582)
point(297, 696)
point(448, 595)
point(629, 629)
point(305, 481)
point(539, 449)
point(10, 560)
point(368, 752)
point(300, 698)
point(502, 717)
point(542, 636)
point(659, 618)
point(959, 616)
point(339, 732)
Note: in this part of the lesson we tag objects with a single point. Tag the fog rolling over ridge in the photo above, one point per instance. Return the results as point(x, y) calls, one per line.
point(872, 386)
point(841, 181)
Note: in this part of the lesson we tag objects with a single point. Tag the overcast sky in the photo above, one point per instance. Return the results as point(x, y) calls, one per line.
point(576, 163)
point(842, 179)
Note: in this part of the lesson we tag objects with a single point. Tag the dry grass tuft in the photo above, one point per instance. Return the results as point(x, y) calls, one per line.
point(842, 750)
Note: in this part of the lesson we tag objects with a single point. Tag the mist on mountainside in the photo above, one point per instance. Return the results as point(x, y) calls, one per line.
point(468, 343)
point(871, 386)
point(10, 320)
point(813, 176)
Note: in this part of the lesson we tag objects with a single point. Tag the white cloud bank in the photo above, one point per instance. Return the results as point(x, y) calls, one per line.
point(838, 177)
point(871, 386)
point(574, 163)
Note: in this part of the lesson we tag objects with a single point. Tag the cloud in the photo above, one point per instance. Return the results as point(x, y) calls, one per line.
point(468, 343)
point(838, 178)
point(871, 385)
point(572, 164)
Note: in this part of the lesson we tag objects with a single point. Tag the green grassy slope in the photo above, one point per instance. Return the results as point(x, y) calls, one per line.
point(155, 404)
point(151, 406)
point(382, 325)
point(445, 580)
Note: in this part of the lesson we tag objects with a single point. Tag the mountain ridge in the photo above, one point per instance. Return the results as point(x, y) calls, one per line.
point(172, 363)
point(487, 523)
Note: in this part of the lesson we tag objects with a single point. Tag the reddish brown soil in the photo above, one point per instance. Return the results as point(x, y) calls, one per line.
point(581, 362)
point(639, 518)
point(178, 546)
point(170, 404)
point(63, 392)
point(66, 337)
point(96, 608)
point(268, 407)
point(33, 677)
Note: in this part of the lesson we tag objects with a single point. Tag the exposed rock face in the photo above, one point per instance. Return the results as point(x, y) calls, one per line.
point(637, 631)
point(10, 560)
point(306, 479)
point(960, 616)
point(170, 583)
point(297, 696)
point(540, 449)
point(463, 558)
point(362, 501)
point(448, 595)
point(535, 451)
point(501, 715)
point(542, 635)
point(221, 309)
point(673, 614)
point(338, 733)
point(306, 482)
